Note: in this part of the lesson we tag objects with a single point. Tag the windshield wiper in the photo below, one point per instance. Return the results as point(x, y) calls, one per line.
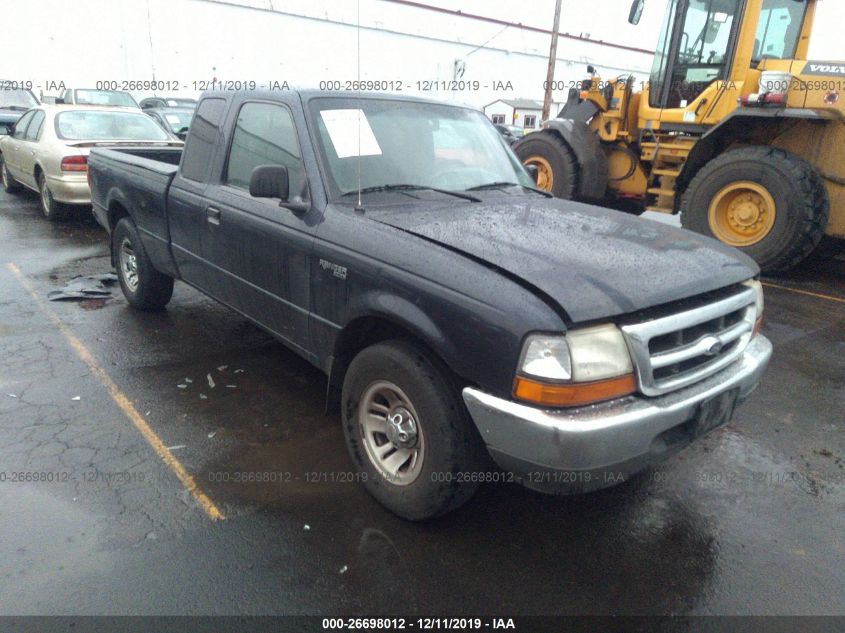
point(17, 108)
point(402, 187)
point(503, 184)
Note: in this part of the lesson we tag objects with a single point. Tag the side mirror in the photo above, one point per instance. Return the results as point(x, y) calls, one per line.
point(636, 12)
point(11, 129)
point(269, 181)
point(532, 171)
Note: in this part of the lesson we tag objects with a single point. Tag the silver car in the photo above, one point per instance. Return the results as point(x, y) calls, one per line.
point(48, 150)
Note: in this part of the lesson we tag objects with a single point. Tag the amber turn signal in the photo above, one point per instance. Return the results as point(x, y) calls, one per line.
point(573, 394)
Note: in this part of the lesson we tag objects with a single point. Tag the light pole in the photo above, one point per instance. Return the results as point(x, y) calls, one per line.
point(550, 74)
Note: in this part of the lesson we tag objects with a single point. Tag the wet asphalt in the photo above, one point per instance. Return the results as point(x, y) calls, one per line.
point(747, 521)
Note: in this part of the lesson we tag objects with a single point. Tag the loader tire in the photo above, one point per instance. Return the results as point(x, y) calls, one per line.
point(768, 203)
point(555, 162)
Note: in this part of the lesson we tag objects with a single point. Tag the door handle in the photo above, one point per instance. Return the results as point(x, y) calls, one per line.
point(213, 215)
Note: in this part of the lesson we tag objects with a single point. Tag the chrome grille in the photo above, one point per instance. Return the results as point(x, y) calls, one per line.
point(677, 350)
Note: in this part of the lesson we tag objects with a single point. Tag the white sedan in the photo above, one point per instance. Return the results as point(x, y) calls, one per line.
point(47, 150)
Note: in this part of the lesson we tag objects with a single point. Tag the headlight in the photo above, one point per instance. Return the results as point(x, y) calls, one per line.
point(584, 365)
point(759, 302)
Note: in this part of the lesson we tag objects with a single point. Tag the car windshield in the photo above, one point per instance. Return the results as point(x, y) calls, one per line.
point(410, 143)
point(92, 125)
point(181, 103)
point(177, 121)
point(105, 97)
point(17, 99)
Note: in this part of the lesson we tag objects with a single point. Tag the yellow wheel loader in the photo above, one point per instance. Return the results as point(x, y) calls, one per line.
point(736, 130)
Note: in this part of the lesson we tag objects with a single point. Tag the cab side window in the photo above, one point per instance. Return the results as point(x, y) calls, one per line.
point(33, 131)
point(264, 135)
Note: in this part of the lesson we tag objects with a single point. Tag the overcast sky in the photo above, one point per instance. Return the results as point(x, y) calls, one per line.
point(607, 20)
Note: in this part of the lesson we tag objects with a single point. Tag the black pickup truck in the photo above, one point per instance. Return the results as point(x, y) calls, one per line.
point(459, 313)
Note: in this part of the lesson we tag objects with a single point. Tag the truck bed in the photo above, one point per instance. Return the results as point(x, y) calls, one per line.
point(137, 178)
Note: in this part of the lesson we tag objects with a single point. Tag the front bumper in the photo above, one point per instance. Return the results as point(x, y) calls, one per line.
point(70, 189)
point(586, 448)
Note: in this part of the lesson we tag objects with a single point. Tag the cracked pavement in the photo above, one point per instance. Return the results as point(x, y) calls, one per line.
point(748, 521)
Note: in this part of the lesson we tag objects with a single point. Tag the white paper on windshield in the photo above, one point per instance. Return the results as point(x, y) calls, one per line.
point(343, 127)
point(172, 118)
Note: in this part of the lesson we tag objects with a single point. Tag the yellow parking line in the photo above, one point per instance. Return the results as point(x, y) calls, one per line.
point(805, 292)
point(122, 402)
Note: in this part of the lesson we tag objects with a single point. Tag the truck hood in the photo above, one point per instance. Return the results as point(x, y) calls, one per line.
point(593, 262)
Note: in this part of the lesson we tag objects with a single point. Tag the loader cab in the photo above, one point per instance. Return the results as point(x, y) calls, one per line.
point(706, 41)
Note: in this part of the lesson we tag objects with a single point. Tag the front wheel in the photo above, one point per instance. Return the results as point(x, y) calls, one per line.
point(408, 432)
point(144, 287)
point(10, 185)
point(769, 203)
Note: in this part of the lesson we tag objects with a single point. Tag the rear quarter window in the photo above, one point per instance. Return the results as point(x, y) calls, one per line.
point(199, 148)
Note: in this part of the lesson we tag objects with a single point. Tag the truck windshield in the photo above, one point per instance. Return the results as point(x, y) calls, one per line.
point(17, 99)
point(410, 143)
point(93, 125)
point(778, 29)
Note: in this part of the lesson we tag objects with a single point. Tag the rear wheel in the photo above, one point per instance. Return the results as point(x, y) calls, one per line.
point(144, 287)
point(556, 166)
point(10, 185)
point(769, 203)
point(51, 209)
point(408, 432)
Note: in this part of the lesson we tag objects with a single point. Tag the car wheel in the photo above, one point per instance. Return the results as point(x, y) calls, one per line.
point(144, 287)
point(51, 209)
point(10, 185)
point(408, 431)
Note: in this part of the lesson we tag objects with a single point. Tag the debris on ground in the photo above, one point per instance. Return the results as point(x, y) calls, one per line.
point(210, 381)
point(306, 527)
point(76, 398)
point(11, 395)
point(212, 434)
point(231, 386)
point(182, 386)
point(343, 569)
point(176, 448)
point(203, 396)
point(222, 368)
point(188, 380)
point(84, 287)
point(239, 371)
point(92, 304)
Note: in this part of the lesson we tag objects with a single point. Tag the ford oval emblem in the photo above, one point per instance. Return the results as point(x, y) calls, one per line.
point(714, 346)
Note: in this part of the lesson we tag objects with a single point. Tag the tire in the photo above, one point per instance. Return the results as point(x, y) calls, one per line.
point(144, 287)
point(547, 147)
point(52, 210)
point(10, 185)
point(447, 444)
point(800, 199)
